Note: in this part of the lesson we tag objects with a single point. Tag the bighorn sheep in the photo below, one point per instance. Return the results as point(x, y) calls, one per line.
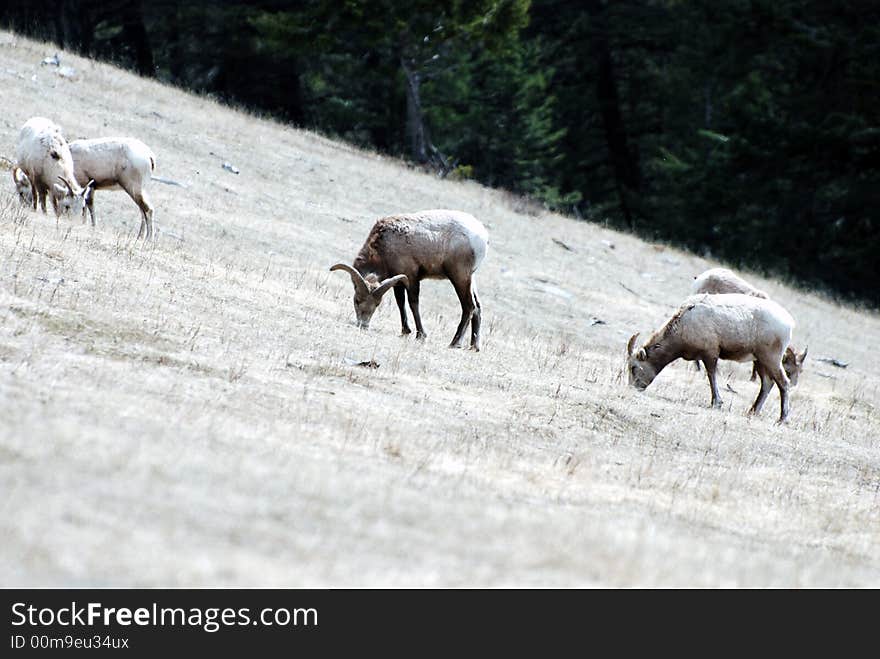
point(44, 158)
point(712, 327)
point(23, 186)
point(722, 280)
point(401, 250)
point(116, 163)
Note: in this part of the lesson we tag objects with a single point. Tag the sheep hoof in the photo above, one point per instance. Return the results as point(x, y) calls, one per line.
point(455, 345)
point(405, 331)
point(421, 336)
point(718, 404)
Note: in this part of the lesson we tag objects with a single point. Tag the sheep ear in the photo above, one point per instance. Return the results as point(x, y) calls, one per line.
point(360, 286)
point(801, 357)
point(89, 189)
point(641, 355)
point(388, 283)
point(18, 175)
point(632, 343)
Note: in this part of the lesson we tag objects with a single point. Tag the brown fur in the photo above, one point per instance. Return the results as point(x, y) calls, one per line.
point(419, 246)
point(670, 343)
point(726, 281)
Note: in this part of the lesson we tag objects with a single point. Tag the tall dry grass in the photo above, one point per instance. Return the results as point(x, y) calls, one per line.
point(189, 412)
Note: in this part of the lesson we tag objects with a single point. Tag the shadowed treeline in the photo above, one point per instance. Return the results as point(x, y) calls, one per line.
point(745, 129)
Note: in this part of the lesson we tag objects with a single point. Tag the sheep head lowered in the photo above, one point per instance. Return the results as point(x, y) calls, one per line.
point(117, 163)
point(23, 186)
point(368, 292)
point(641, 371)
point(401, 250)
point(68, 199)
point(44, 158)
point(736, 327)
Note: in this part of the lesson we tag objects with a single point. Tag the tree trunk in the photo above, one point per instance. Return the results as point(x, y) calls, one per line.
point(135, 33)
point(623, 160)
point(415, 121)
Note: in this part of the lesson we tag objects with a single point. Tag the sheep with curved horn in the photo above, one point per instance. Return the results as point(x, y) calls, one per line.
point(711, 327)
point(44, 157)
point(401, 250)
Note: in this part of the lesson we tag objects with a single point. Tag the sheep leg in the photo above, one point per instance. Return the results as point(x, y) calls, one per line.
point(146, 212)
point(782, 383)
point(413, 294)
point(42, 191)
point(476, 320)
point(754, 371)
point(35, 193)
point(90, 204)
point(711, 364)
point(146, 223)
point(466, 298)
point(766, 386)
point(400, 297)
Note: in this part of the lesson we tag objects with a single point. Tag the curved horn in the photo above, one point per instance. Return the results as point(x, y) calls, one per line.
point(67, 183)
point(388, 283)
point(632, 343)
point(356, 278)
point(801, 357)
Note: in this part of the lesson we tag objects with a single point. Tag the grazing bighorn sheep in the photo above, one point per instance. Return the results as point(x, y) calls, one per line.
point(116, 163)
point(711, 327)
point(401, 250)
point(23, 186)
point(722, 280)
point(44, 158)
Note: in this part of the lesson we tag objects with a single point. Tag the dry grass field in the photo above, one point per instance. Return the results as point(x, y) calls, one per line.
point(190, 412)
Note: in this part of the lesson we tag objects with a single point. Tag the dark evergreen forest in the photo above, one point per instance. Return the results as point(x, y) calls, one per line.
point(744, 129)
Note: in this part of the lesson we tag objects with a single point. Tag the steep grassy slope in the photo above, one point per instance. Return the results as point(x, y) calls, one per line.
point(188, 412)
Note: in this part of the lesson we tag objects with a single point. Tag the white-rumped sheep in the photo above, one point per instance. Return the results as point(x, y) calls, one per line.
point(711, 327)
point(116, 163)
point(44, 158)
point(722, 280)
point(401, 250)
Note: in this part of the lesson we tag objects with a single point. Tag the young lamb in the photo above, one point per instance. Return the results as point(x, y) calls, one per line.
point(711, 327)
point(722, 280)
point(401, 250)
point(116, 163)
point(44, 158)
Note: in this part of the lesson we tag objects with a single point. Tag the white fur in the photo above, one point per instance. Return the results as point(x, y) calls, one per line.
point(117, 163)
point(472, 228)
point(722, 280)
point(735, 318)
point(44, 156)
point(476, 233)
